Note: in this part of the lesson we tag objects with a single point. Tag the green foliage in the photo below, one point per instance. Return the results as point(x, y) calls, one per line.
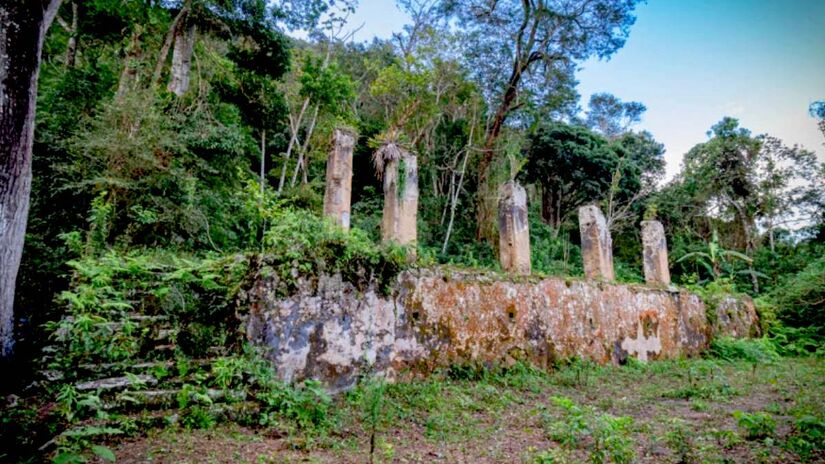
point(572, 164)
point(800, 300)
point(755, 350)
point(716, 259)
point(802, 341)
point(190, 291)
point(326, 84)
point(300, 243)
point(702, 380)
point(808, 436)
point(757, 425)
point(550, 252)
point(370, 399)
point(608, 436)
point(76, 444)
point(679, 440)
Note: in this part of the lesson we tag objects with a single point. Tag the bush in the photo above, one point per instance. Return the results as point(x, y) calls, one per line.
point(301, 243)
point(610, 435)
point(756, 425)
point(755, 350)
point(808, 437)
point(800, 301)
point(551, 253)
point(797, 341)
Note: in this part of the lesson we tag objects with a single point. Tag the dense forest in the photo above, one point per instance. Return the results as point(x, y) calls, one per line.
point(171, 137)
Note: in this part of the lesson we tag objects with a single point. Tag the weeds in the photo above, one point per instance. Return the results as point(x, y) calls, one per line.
point(757, 425)
point(680, 441)
point(705, 380)
point(808, 437)
point(606, 437)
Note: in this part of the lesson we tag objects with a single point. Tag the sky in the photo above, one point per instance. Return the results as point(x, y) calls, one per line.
point(692, 62)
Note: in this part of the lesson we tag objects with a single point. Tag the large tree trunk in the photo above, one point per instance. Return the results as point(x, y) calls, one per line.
point(71, 48)
point(23, 25)
point(167, 44)
point(129, 75)
point(487, 195)
point(547, 205)
point(182, 58)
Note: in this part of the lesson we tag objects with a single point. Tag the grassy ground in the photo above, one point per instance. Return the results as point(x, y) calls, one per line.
point(663, 412)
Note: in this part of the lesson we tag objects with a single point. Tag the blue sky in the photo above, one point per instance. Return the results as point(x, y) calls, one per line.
point(694, 61)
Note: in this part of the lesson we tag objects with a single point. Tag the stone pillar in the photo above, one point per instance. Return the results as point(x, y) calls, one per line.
point(338, 192)
point(597, 246)
point(399, 223)
point(514, 232)
point(654, 245)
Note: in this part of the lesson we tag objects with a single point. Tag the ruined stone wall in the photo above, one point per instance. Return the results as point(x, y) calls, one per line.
point(332, 332)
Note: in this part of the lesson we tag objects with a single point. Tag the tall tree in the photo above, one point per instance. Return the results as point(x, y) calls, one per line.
point(817, 110)
point(23, 26)
point(722, 170)
point(572, 164)
point(517, 50)
point(612, 117)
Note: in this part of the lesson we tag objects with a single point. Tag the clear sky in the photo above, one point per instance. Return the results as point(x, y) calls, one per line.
point(691, 62)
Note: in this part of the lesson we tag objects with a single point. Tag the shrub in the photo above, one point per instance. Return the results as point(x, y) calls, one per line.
point(797, 341)
point(610, 439)
point(301, 243)
point(756, 425)
point(801, 298)
point(755, 350)
point(808, 437)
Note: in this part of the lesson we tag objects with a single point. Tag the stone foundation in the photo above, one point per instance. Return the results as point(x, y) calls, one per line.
point(332, 332)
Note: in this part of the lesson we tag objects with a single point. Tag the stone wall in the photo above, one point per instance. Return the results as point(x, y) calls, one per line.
point(332, 332)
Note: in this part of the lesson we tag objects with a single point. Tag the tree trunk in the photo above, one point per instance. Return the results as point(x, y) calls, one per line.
point(167, 44)
point(547, 213)
point(747, 227)
point(302, 156)
point(182, 59)
point(487, 196)
point(71, 47)
point(263, 163)
point(294, 127)
point(23, 25)
point(130, 66)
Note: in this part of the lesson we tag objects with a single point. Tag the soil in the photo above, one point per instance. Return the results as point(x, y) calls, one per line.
point(681, 411)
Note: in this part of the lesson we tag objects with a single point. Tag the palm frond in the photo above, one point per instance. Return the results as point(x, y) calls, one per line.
point(736, 254)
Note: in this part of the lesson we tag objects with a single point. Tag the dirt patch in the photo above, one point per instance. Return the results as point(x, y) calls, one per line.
point(674, 411)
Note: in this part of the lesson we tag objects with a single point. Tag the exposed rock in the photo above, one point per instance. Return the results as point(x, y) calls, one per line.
point(117, 382)
point(735, 317)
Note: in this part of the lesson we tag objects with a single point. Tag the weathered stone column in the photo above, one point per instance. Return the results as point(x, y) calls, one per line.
point(514, 232)
point(338, 192)
point(399, 223)
point(597, 246)
point(654, 249)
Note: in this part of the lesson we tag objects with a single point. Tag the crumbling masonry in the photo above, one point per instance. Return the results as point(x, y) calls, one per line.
point(338, 192)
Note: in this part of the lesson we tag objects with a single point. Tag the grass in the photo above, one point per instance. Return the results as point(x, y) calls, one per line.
point(686, 411)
